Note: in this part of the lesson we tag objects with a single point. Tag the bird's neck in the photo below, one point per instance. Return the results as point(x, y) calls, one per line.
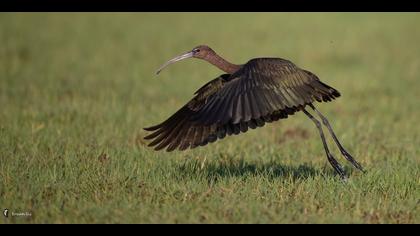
point(222, 64)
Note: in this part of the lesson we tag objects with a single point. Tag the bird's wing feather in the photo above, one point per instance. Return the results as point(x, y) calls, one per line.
point(261, 87)
point(263, 90)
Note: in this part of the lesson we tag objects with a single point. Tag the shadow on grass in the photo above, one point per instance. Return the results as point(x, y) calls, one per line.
point(222, 169)
point(267, 170)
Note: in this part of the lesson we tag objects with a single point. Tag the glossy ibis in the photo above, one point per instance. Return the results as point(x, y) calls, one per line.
point(261, 91)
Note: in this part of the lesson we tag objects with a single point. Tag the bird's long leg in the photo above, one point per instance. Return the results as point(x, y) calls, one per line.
point(342, 150)
point(337, 167)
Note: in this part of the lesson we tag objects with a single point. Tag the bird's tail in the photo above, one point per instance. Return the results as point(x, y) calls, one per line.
point(334, 93)
point(326, 92)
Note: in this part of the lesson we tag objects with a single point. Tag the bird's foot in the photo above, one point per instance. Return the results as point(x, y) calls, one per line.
point(352, 160)
point(337, 167)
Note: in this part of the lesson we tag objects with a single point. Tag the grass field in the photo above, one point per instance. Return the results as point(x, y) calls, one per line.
point(77, 89)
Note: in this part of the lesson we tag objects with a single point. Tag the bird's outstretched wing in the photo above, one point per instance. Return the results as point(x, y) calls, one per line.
point(263, 90)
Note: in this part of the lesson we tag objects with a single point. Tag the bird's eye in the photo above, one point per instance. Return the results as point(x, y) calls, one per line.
point(196, 50)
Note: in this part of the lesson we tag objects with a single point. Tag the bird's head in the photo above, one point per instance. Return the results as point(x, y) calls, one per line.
point(200, 52)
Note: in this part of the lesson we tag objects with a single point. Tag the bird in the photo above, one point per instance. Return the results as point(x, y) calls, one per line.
point(245, 96)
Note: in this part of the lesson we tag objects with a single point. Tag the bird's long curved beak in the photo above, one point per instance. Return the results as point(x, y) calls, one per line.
point(175, 59)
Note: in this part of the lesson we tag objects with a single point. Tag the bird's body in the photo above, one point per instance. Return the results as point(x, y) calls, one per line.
point(263, 90)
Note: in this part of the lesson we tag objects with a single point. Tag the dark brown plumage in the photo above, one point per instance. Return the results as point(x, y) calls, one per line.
point(261, 91)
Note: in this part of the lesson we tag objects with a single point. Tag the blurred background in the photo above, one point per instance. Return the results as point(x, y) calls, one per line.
point(78, 86)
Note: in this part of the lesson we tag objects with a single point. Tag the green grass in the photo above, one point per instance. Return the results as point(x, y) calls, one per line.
point(77, 89)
